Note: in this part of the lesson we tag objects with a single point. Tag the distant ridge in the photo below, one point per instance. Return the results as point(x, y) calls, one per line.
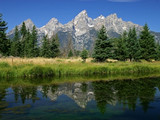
point(83, 29)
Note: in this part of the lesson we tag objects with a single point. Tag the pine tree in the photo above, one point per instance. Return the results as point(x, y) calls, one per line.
point(54, 47)
point(130, 45)
point(103, 46)
point(121, 51)
point(137, 48)
point(147, 43)
point(32, 47)
point(22, 46)
point(24, 33)
point(35, 42)
point(157, 57)
point(133, 47)
point(4, 42)
point(26, 44)
point(15, 46)
point(84, 55)
point(45, 49)
point(113, 48)
point(23, 30)
point(70, 54)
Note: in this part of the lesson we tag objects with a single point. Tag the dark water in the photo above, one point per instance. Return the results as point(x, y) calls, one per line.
point(103, 100)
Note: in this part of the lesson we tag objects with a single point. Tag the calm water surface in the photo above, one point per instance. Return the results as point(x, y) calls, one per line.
point(102, 100)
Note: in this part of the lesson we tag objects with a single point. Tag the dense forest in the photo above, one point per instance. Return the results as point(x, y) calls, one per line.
point(129, 46)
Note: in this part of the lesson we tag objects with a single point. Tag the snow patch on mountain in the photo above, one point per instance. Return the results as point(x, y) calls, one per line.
point(82, 28)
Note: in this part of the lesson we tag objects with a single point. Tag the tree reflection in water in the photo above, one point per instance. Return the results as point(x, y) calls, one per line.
point(125, 92)
point(3, 103)
point(129, 93)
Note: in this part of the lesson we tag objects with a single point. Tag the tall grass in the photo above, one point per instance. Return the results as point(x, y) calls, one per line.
point(41, 67)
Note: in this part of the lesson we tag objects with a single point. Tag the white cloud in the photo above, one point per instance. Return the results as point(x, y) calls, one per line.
point(123, 0)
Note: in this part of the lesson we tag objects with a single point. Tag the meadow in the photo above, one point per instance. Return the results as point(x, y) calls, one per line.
point(58, 67)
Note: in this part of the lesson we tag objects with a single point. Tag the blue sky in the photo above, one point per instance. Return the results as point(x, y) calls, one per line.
point(41, 11)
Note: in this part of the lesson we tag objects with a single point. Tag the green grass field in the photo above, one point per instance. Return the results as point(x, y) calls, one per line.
point(41, 67)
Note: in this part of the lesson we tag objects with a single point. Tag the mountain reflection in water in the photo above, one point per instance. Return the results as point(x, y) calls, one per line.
point(123, 99)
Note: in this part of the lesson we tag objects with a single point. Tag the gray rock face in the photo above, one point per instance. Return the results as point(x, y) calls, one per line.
point(29, 25)
point(74, 92)
point(83, 29)
point(116, 24)
point(51, 27)
point(77, 94)
point(157, 36)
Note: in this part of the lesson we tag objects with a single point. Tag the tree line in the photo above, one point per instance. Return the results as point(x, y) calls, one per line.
point(129, 46)
point(25, 43)
point(106, 92)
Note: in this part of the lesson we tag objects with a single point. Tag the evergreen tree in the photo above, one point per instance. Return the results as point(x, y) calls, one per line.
point(26, 44)
point(24, 37)
point(35, 41)
point(32, 50)
point(137, 48)
point(147, 43)
point(121, 51)
point(133, 46)
point(54, 47)
point(15, 46)
point(4, 42)
point(23, 30)
point(103, 47)
point(130, 45)
point(45, 49)
point(84, 55)
point(157, 57)
point(22, 46)
point(70, 54)
point(113, 48)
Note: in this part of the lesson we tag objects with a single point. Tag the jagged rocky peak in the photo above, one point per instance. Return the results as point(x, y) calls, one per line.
point(73, 91)
point(82, 17)
point(112, 16)
point(80, 20)
point(101, 17)
point(53, 20)
point(51, 27)
point(29, 24)
point(82, 28)
point(82, 14)
point(28, 21)
point(82, 23)
point(99, 21)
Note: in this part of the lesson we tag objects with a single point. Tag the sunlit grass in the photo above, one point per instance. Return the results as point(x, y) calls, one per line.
point(42, 67)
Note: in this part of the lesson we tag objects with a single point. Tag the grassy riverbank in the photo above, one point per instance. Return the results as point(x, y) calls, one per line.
point(41, 67)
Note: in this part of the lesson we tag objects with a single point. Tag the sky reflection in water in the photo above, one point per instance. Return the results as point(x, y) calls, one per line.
point(118, 99)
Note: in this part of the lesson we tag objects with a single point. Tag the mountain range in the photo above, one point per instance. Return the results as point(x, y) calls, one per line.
point(75, 92)
point(82, 30)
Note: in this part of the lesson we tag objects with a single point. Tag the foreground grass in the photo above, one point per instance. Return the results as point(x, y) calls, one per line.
point(41, 67)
